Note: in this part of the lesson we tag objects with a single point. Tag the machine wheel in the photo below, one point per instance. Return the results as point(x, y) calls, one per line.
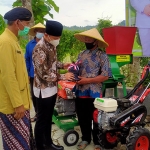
point(107, 139)
point(71, 137)
point(138, 139)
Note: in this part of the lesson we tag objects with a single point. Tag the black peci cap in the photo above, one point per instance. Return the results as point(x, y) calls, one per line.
point(18, 13)
point(54, 28)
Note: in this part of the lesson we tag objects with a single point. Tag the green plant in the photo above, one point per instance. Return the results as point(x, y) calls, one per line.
point(2, 24)
point(138, 38)
point(23, 40)
point(69, 46)
point(40, 9)
point(103, 23)
point(143, 62)
point(62, 71)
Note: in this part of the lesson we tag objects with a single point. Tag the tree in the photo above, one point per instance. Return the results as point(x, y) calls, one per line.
point(122, 23)
point(40, 8)
point(69, 45)
point(2, 24)
point(27, 4)
point(103, 23)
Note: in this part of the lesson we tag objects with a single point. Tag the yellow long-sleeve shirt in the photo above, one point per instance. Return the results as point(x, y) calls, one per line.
point(14, 86)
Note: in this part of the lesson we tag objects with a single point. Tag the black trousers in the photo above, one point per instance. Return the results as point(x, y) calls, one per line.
point(84, 110)
point(32, 94)
point(42, 131)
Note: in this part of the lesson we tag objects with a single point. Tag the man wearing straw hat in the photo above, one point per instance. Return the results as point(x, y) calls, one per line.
point(94, 69)
point(37, 31)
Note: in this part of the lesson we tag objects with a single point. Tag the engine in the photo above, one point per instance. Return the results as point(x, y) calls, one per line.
point(108, 108)
point(125, 113)
point(65, 103)
point(103, 119)
point(65, 107)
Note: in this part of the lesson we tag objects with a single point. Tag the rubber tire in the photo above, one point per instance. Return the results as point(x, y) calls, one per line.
point(135, 135)
point(70, 133)
point(104, 142)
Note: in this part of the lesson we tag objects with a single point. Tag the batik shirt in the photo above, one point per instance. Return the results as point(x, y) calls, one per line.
point(45, 69)
point(93, 63)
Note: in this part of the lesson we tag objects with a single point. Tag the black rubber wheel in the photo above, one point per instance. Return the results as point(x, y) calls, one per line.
point(71, 137)
point(107, 140)
point(138, 139)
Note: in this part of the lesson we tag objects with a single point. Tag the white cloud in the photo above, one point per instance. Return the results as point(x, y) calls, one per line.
point(81, 12)
point(4, 9)
point(6, 3)
point(87, 12)
point(5, 6)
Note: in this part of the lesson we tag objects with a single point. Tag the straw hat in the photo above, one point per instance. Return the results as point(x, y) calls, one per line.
point(37, 26)
point(93, 33)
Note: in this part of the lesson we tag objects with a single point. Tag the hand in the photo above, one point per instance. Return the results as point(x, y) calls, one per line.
point(147, 10)
point(69, 76)
point(66, 65)
point(19, 112)
point(83, 80)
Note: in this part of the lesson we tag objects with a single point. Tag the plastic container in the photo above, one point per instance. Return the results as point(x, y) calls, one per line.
point(120, 39)
point(106, 104)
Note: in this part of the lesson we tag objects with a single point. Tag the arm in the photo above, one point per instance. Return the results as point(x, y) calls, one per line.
point(97, 79)
point(42, 67)
point(66, 76)
point(105, 66)
point(61, 65)
point(105, 72)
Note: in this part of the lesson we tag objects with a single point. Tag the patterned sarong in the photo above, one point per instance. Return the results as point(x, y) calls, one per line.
point(16, 133)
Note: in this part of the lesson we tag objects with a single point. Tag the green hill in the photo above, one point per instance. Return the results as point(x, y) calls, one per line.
point(80, 28)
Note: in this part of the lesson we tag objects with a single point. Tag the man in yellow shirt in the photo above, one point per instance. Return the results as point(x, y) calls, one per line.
point(14, 86)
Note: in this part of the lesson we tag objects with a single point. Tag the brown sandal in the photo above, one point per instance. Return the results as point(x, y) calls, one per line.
point(82, 145)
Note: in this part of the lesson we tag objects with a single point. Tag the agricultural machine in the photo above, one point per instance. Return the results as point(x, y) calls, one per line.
point(122, 119)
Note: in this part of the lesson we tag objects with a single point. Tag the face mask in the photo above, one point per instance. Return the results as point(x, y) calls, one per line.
point(39, 35)
point(55, 42)
point(23, 32)
point(89, 45)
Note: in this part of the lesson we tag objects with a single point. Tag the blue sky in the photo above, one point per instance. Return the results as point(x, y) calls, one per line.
point(81, 12)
